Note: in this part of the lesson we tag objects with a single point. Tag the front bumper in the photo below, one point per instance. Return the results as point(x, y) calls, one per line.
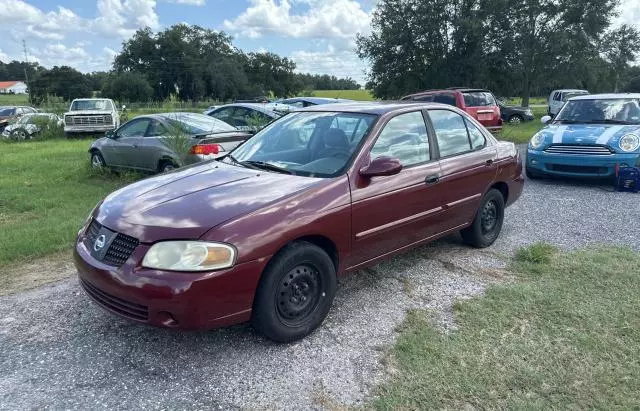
point(88, 129)
point(578, 165)
point(169, 299)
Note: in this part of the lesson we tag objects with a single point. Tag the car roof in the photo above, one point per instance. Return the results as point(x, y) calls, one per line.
point(566, 90)
point(254, 106)
point(606, 96)
point(317, 100)
point(372, 107)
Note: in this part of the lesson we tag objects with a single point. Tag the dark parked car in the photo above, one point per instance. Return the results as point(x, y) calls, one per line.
point(10, 113)
point(263, 233)
point(311, 101)
point(248, 116)
point(480, 104)
point(514, 114)
point(144, 143)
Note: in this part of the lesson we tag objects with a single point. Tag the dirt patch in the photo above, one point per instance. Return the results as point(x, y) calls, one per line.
point(24, 276)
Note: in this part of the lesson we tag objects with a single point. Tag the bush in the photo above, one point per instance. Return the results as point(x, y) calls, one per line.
point(539, 253)
point(49, 129)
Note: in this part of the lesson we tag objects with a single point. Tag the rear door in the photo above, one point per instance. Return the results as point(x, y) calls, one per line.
point(467, 163)
point(151, 147)
point(483, 107)
point(392, 212)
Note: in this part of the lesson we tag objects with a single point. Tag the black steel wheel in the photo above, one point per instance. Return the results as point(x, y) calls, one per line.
point(487, 224)
point(295, 292)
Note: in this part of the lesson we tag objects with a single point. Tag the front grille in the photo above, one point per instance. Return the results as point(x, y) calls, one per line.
point(88, 120)
point(579, 149)
point(116, 304)
point(119, 250)
point(578, 169)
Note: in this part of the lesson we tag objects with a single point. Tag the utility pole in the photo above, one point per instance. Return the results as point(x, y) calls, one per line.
point(26, 76)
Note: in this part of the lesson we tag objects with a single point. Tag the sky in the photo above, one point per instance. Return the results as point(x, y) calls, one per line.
point(319, 35)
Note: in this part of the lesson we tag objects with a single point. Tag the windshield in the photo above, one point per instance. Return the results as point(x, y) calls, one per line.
point(315, 144)
point(622, 110)
point(479, 99)
point(79, 105)
point(5, 112)
point(193, 123)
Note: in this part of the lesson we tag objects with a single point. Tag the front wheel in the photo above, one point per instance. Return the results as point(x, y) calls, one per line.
point(295, 293)
point(97, 161)
point(19, 134)
point(487, 224)
point(515, 119)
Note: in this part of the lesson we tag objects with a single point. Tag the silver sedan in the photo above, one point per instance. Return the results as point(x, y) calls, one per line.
point(161, 142)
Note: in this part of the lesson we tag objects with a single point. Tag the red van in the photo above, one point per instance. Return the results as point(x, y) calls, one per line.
point(479, 103)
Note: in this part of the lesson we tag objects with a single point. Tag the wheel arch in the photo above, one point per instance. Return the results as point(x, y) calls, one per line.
point(503, 188)
point(323, 242)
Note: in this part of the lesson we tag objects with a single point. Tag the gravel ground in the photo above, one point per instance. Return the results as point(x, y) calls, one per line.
point(58, 350)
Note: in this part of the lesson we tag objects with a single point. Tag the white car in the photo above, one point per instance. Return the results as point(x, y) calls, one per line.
point(29, 125)
point(91, 115)
point(559, 97)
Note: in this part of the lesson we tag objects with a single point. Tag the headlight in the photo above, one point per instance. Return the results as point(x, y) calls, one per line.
point(189, 256)
point(537, 140)
point(629, 142)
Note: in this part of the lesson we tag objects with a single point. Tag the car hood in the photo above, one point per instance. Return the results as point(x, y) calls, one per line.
point(587, 134)
point(86, 112)
point(187, 203)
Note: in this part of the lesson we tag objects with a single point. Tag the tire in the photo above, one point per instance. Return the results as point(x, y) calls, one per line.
point(515, 119)
point(530, 174)
point(487, 224)
point(97, 161)
point(165, 166)
point(295, 293)
point(19, 134)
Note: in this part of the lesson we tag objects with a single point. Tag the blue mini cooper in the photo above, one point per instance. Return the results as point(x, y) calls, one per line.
point(592, 136)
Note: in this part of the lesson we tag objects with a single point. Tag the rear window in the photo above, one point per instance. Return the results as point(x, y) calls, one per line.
point(478, 99)
point(442, 98)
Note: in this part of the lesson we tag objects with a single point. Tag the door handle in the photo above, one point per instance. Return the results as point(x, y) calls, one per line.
point(489, 162)
point(432, 179)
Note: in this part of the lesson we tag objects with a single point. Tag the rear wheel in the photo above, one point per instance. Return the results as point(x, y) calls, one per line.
point(19, 134)
point(295, 293)
point(515, 119)
point(165, 166)
point(487, 224)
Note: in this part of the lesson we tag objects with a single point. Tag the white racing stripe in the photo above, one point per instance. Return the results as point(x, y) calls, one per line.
point(557, 135)
point(606, 136)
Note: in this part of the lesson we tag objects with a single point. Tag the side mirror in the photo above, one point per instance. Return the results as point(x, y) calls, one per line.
point(110, 134)
point(545, 119)
point(381, 166)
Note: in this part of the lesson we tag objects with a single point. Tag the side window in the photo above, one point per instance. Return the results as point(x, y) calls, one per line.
point(134, 129)
point(475, 135)
point(451, 132)
point(446, 98)
point(405, 138)
point(557, 96)
point(223, 114)
point(156, 129)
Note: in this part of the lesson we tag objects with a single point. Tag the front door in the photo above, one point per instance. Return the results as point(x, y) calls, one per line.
point(392, 212)
point(123, 150)
point(467, 165)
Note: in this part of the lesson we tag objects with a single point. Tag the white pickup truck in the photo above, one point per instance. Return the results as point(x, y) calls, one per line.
point(91, 115)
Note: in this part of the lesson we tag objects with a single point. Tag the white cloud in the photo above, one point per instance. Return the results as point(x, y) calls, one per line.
point(340, 20)
point(188, 2)
point(121, 18)
point(629, 13)
point(340, 64)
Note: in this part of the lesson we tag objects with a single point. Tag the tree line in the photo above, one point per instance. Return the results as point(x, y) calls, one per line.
point(513, 47)
point(188, 63)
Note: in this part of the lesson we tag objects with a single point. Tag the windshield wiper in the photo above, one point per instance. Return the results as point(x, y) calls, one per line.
point(265, 166)
point(610, 121)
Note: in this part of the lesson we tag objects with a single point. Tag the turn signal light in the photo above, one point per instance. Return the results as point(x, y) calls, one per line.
point(206, 149)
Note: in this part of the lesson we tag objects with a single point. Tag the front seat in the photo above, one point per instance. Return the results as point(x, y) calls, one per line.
point(336, 144)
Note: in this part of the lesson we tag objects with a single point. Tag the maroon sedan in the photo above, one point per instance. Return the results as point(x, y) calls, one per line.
point(262, 234)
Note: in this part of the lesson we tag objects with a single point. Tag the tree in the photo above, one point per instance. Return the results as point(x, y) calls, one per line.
point(127, 86)
point(64, 82)
point(620, 47)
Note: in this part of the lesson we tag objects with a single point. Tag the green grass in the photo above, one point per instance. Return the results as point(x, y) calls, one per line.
point(46, 191)
point(359, 95)
point(14, 99)
point(565, 335)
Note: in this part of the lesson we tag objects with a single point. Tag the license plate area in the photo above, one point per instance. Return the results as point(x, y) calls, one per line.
point(485, 117)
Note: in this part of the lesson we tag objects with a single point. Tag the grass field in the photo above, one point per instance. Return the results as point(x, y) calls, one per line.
point(46, 192)
point(14, 99)
point(565, 335)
